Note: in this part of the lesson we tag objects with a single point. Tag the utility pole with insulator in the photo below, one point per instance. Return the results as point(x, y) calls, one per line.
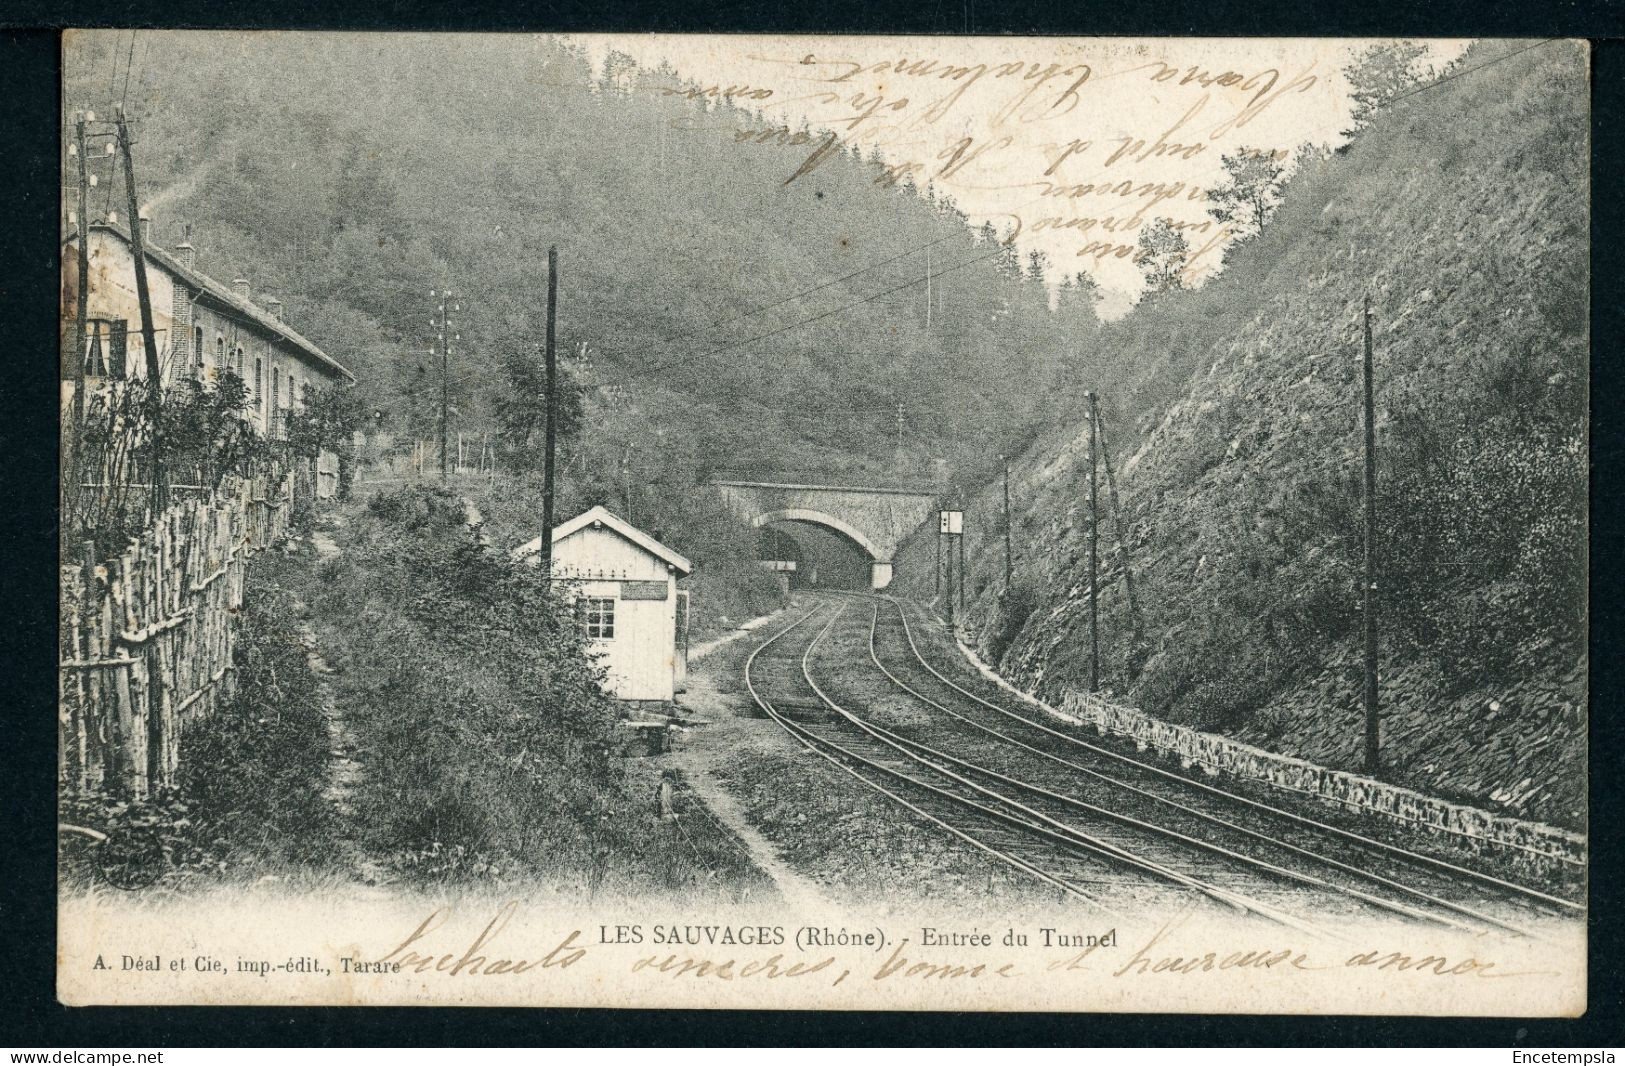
point(1368, 597)
point(951, 524)
point(938, 574)
point(1094, 547)
point(1117, 523)
point(445, 334)
point(961, 540)
point(149, 340)
point(81, 309)
point(551, 367)
point(1009, 562)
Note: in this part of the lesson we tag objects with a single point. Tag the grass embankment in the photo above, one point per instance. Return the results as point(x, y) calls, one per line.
point(490, 753)
point(1459, 216)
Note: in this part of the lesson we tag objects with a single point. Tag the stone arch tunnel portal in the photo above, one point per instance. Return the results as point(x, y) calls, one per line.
point(875, 519)
point(824, 556)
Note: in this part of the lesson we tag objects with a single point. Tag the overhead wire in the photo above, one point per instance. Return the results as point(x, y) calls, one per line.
point(1469, 70)
point(710, 356)
point(809, 292)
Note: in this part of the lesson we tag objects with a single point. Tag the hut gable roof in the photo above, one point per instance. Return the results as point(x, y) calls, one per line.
point(603, 516)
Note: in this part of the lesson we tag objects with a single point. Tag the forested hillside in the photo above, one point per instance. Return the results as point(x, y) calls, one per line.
point(739, 296)
point(1233, 418)
point(333, 172)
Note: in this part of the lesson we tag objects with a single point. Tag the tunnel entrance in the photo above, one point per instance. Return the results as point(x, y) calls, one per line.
point(823, 558)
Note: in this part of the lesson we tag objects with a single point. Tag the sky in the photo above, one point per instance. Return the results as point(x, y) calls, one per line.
point(1069, 144)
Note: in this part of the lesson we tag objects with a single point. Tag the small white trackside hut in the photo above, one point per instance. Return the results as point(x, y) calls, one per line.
point(625, 586)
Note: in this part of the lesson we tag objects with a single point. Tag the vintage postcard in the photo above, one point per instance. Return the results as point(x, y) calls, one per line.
point(989, 524)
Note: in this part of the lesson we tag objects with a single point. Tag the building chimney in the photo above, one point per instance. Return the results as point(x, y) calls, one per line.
point(241, 285)
point(184, 250)
point(146, 228)
point(274, 305)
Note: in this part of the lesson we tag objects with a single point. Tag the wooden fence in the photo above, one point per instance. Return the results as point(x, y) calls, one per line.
point(147, 637)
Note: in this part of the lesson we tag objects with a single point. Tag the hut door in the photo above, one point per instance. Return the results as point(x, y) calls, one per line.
point(680, 663)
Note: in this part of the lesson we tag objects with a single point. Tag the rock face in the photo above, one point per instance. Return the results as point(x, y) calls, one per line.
point(1234, 432)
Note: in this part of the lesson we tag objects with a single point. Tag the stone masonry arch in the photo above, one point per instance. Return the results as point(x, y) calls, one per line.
point(875, 517)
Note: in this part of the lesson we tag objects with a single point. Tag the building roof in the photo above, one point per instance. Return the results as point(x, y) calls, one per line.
point(602, 516)
point(225, 296)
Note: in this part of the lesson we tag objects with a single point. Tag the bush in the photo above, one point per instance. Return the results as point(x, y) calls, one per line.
point(257, 770)
point(486, 738)
point(1016, 605)
point(250, 791)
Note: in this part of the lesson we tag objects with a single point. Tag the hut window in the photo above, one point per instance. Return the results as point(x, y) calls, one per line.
point(599, 616)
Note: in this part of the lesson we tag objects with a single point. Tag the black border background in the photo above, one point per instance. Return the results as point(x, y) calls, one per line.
point(29, 122)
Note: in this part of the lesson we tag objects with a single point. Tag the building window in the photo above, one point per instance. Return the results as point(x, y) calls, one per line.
point(598, 614)
point(259, 382)
point(100, 337)
point(197, 351)
point(118, 348)
point(290, 390)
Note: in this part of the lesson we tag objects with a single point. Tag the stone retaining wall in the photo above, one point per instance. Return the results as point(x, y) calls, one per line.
point(1542, 844)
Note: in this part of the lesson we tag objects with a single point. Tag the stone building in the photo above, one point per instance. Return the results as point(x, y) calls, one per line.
point(203, 328)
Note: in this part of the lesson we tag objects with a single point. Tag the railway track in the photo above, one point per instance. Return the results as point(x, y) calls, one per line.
point(1390, 869)
point(1089, 821)
point(1020, 831)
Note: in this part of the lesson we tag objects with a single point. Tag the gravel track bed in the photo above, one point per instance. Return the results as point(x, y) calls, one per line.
point(894, 651)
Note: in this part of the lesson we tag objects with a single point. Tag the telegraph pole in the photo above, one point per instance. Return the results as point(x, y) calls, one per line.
point(928, 288)
point(960, 537)
point(551, 366)
point(1367, 597)
point(1094, 549)
point(1117, 523)
point(149, 339)
point(1009, 565)
point(939, 557)
point(626, 482)
point(445, 335)
point(951, 524)
point(82, 227)
point(445, 393)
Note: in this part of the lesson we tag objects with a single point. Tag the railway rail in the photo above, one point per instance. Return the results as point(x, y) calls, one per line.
point(1060, 853)
point(1095, 824)
point(1169, 788)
